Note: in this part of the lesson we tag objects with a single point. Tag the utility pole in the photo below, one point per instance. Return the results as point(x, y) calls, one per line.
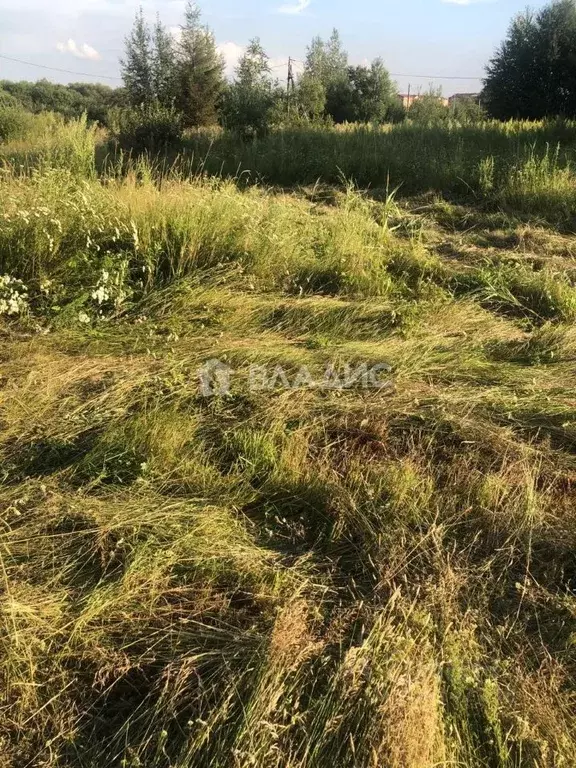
point(408, 104)
point(291, 84)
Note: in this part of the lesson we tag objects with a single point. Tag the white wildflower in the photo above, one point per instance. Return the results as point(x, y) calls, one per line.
point(13, 296)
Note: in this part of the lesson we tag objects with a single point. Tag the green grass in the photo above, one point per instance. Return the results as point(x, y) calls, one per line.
point(285, 579)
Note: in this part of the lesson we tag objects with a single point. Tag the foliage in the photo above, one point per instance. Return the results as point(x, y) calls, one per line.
point(199, 71)
point(311, 97)
point(428, 109)
point(184, 73)
point(468, 111)
point(327, 60)
point(327, 63)
point(248, 103)
point(163, 65)
point(372, 93)
point(138, 65)
point(533, 74)
point(71, 101)
point(149, 128)
point(345, 93)
point(7, 100)
point(15, 122)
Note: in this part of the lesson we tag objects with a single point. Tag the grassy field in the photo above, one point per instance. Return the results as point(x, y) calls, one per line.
point(309, 577)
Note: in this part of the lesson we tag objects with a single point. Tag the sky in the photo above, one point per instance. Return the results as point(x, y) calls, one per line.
point(420, 41)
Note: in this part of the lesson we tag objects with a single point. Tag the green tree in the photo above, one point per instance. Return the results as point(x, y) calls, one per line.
point(327, 62)
point(200, 71)
point(372, 93)
point(70, 100)
point(429, 109)
point(138, 64)
point(7, 100)
point(533, 73)
point(163, 64)
point(311, 97)
point(467, 110)
point(250, 100)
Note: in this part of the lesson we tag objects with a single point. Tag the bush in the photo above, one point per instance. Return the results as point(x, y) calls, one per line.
point(149, 128)
point(15, 123)
point(428, 109)
point(250, 111)
point(7, 100)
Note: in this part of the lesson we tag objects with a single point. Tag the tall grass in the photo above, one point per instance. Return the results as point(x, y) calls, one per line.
point(49, 141)
point(527, 167)
point(415, 158)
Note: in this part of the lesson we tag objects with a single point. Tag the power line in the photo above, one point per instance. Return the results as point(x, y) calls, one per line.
point(277, 66)
point(57, 69)
point(436, 77)
point(402, 74)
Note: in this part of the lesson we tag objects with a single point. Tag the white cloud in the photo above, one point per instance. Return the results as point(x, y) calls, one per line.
point(83, 51)
point(232, 53)
point(294, 10)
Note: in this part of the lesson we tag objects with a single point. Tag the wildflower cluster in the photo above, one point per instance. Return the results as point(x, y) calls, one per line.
point(110, 290)
point(13, 296)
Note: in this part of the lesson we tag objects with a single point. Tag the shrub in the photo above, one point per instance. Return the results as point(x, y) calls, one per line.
point(148, 128)
point(15, 123)
point(7, 100)
point(428, 109)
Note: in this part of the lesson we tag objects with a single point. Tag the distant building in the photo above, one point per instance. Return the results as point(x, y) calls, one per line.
point(408, 99)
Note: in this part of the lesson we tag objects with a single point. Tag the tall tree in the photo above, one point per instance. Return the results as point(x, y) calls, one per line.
point(372, 92)
point(533, 73)
point(199, 71)
point(327, 63)
point(137, 66)
point(250, 99)
point(311, 97)
point(163, 64)
point(327, 59)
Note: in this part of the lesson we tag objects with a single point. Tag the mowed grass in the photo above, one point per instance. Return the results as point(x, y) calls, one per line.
point(304, 578)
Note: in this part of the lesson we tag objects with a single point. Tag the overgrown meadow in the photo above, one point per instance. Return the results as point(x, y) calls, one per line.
point(288, 578)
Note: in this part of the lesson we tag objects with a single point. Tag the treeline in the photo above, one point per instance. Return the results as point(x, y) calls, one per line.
point(177, 81)
point(532, 76)
point(185, 72)
point(73, 100)
point(182, 77)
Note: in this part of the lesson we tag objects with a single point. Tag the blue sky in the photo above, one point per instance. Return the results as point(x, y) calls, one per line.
point(414, 37)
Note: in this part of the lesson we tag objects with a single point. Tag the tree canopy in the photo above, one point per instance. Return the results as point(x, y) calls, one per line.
point(533, 73)
point(250, 99)
point(344, 93)
point(184, 71)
